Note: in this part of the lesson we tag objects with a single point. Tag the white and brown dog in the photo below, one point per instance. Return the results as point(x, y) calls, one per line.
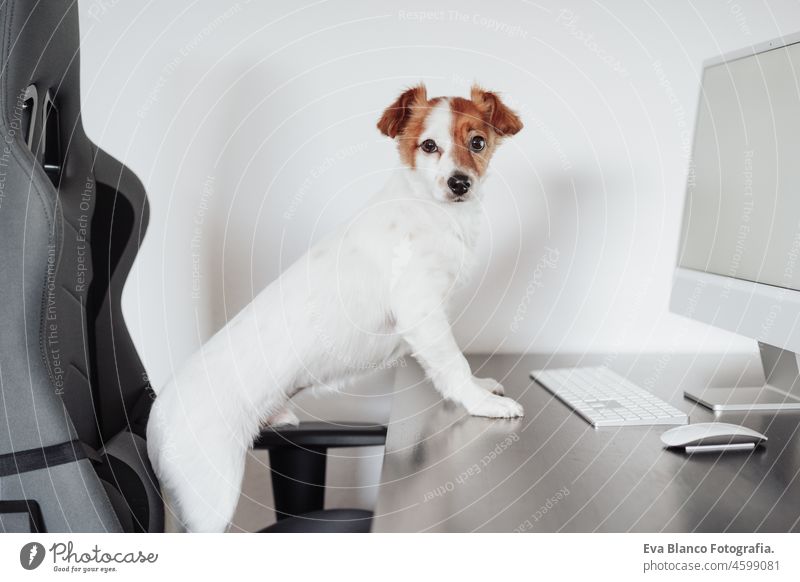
point(376, 290)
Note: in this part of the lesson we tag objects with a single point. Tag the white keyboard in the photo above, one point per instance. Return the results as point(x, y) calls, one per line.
point(605, 398)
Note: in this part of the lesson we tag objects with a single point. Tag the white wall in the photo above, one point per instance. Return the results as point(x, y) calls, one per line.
point(252, 125)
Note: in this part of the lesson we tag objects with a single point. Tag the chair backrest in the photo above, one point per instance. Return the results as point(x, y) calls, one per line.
point(75, 396)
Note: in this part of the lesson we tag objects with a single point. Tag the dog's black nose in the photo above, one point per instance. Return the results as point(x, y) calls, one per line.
point(459, 184)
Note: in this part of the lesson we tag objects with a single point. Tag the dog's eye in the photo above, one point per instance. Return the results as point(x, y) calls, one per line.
point(429, 146)
point(477, 143)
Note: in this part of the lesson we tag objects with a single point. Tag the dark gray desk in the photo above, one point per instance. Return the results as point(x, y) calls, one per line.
point(551, 471)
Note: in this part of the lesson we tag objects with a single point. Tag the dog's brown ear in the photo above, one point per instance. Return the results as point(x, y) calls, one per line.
point(501, 118)
point(397, 114)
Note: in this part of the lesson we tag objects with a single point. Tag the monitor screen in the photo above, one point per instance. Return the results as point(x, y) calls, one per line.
point(742, 213)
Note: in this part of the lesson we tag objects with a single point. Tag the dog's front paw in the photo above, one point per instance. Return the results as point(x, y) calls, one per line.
point(494, 406)
point(283, 418)
point(490, 385)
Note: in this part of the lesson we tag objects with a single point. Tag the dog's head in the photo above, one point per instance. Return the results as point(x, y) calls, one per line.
point(448, 141)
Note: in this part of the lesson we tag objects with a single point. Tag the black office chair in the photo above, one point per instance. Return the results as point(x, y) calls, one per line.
point(298, 459)
point(75, 396)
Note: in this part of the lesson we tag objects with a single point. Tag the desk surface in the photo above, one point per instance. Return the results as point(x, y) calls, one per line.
point(551, 471)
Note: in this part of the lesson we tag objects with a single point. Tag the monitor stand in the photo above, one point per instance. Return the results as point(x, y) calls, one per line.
point(781, 391)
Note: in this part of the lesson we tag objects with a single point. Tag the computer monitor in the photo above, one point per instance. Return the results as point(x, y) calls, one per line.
point(739, 258)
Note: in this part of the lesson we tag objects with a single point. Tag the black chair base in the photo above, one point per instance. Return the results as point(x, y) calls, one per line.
point(298, 459)
point(325, 521)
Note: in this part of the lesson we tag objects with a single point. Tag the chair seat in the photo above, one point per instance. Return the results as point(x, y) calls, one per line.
point(325, 521)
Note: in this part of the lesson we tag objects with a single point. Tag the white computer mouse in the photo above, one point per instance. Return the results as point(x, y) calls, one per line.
point(705, 434)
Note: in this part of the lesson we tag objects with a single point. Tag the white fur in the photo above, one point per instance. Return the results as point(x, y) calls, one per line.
point(434, 169)
point(373, 292)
